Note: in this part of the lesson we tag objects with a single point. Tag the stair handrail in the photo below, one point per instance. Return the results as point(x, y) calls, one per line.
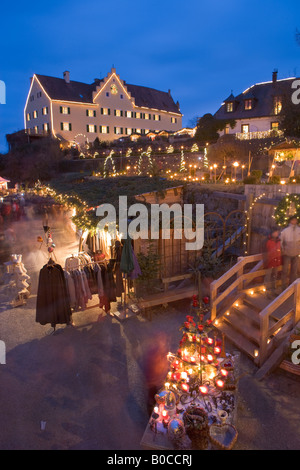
point(237, 269)
point(264, 316)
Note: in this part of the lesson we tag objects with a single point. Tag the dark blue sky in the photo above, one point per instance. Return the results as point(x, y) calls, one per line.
point(200, 49)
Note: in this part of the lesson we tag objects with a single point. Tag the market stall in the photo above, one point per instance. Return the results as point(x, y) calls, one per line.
point(196, 407)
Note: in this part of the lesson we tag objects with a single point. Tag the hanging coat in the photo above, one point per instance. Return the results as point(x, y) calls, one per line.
point(118, 273)
point(127, 264)
point(52, 303)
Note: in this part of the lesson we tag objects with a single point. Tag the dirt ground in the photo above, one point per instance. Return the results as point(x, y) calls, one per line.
point(84, 386)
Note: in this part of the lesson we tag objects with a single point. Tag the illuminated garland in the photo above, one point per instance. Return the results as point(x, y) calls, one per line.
point(170, 149)
point(84, 217)
point(144, 154)
point(182, 162)
point(248, 216)
point(195, 148)
point(288, 206)
point(109, 157)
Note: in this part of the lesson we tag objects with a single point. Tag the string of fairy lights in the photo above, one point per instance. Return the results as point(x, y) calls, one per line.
point(146, 154)
point(248, 214)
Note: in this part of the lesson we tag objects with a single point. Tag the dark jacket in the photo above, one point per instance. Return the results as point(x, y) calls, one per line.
point(52, 303)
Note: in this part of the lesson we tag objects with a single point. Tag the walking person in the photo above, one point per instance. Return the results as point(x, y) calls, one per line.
point(290, 244)
point(273, 261)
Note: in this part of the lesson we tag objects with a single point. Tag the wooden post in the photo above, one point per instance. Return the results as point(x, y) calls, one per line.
point(264, 328)
point(240, 273)
point(213, 296)
point(297, 302)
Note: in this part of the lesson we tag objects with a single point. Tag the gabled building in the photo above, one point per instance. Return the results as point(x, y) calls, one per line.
point(109, 108)
point(256, 110)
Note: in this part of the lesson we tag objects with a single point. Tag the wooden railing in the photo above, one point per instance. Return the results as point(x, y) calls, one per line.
point(273, 334)
point(218, 289)
point(239, 277)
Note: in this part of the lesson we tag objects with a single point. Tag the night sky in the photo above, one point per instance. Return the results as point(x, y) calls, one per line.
point(200, 49)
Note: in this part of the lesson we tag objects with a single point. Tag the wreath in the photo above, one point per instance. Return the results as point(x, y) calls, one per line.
point(288, 206)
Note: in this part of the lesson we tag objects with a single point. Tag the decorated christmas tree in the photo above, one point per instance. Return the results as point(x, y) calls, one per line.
point(195, 368)
point(198, 398)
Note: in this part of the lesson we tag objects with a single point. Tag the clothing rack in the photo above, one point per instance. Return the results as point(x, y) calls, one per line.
point(85, 263)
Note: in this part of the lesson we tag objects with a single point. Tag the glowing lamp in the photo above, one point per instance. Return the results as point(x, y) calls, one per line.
point(193, 359)
point(219, 383)
point(224, 372)
point(217, 350)
point(203, 389)
point(185, 387)
point(184, 375)
point(210, 358)
point(210, 340)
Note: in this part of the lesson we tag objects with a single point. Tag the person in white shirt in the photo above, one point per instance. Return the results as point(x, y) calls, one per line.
point(290, 245)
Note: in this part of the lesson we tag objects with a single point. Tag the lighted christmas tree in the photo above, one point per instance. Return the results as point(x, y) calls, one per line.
point(196, 367)
point(182, 162)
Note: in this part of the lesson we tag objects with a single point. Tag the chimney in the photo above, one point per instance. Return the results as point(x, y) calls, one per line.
point(67, 76)
point(274, 76)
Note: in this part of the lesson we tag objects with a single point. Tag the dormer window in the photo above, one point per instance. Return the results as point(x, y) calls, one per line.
point(229, 107)
point(248, 104)
point(277, 105)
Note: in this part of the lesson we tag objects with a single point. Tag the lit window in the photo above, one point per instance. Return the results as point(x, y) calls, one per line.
point(64, 110)
point(138, 115)
point(104, 129)
point(156, 117)
point(248, 104)
point(91, 113)
point(277, 105)
point(128, 131)
point(245, 128)
point(274, 126)
point(173, 120)
point(128, 114)
point(227, 129)
point(105, 111)
point(45, 110)
point(118, 130)
point(118, 113)
point(91, 128)
point(35, 114)
point(147, 116)
point(36, 129)
point(28, 116)
point(229, 107)
point(66, 126)
point(46, 127)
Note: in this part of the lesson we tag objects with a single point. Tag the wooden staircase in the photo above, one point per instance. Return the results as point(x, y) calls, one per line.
point(242, 309)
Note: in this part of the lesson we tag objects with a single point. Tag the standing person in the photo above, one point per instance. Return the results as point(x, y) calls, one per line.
point(155, 367)
point(273, 261)
point(290, 243)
